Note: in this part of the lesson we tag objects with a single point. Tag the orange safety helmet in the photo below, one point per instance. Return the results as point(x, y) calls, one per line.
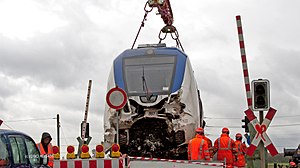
point(225, 130)
point(238, 136)
point(292, 164)
point(200, 130)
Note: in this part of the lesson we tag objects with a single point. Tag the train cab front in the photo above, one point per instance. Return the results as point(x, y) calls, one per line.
point(154, 122)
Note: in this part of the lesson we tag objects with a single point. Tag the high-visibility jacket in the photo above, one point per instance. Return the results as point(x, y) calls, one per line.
point(241, 150)
point(210, 147)
point(49, 154)
point(198, 149)
point(224, 148)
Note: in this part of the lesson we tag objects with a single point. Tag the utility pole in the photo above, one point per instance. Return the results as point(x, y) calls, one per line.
point(57, 127)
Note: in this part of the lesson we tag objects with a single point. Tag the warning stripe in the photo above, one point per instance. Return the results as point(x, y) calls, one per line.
point(89, 163)
point(61, 164)
point(271, 113)
point(93, 163)
point(251, 149)
point(271, 148)
point(177, 161)
point(268, 143)
point(244, 60)
point(250, 115)
point(253, 120)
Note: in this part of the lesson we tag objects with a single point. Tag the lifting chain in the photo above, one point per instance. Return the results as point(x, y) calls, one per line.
point(143, 22)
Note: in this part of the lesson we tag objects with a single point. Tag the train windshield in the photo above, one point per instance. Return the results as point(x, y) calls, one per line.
point(149, 75)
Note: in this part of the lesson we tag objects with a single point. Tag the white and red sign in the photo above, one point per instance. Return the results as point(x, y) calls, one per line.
point(261, 134)
point(116, 98)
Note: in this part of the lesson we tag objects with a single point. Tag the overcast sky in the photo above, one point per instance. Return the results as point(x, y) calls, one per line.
point(50, 49)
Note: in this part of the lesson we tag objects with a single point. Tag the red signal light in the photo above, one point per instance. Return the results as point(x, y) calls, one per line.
point(115, 147)
point(70, 149)
point(84, 148)
point(55, 149)
point(99, 148)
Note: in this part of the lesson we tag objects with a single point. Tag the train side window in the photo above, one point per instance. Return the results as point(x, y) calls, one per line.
point(18, 150)
point(33, 153)
point(4, 158)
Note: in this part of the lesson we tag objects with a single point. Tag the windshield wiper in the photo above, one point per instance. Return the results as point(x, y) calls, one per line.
point(145, 87)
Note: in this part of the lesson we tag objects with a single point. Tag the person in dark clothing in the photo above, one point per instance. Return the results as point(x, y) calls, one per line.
point(45, 147)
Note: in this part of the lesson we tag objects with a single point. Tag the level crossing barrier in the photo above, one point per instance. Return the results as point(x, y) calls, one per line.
point(123, 161)
point(132, 162)
point(136, 162)
point(89, 163)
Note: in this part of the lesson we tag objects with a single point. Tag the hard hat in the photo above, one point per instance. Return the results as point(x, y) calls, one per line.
point(225, 130)
point(200, 130)
point(292, 164)
point(238, 136)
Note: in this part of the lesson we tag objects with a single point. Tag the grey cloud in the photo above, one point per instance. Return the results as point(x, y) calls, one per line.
point(7, 89)
point(60, 60)
point(62, 57)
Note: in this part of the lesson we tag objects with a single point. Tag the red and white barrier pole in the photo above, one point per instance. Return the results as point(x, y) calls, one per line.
point(244, 61)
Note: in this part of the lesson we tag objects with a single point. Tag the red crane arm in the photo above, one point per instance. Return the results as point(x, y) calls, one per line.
point(164, 9)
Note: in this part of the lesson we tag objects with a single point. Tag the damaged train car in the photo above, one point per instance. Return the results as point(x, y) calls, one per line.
point(163, 108)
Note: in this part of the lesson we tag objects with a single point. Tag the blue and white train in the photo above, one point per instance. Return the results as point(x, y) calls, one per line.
point(163, 108)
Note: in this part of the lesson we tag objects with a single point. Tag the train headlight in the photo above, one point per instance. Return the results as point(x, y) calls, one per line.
point(148, 99)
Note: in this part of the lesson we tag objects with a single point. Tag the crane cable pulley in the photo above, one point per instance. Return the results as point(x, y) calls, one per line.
point(165, 10)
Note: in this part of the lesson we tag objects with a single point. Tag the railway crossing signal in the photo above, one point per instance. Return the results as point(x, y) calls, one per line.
point(261, 95)
point(246, 121)
point(261, 134)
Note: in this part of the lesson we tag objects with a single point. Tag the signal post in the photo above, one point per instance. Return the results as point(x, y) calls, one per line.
point(261, 103)
point(116, 98)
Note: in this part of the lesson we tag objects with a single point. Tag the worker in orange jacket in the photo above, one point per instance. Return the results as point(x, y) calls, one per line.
point(241, 150)
point(223, 146)
point(198, 147)
point(45, 148)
